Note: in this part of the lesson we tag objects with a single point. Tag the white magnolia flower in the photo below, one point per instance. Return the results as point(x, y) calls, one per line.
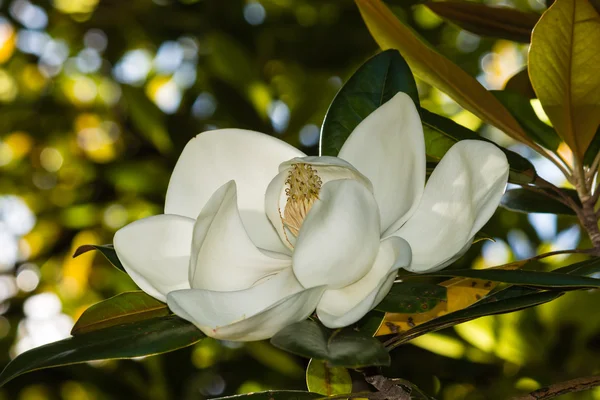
point(256, 235)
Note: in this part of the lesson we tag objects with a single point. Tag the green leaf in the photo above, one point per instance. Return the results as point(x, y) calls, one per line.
point(370, 323)
point(522, 110)
point(498, 22)
point(107, 251)
point(121, 309)
point(593, 150)
point(564, 53)
point(437, 70)
point(538, 279)
point(527, 201)
point(513, 298)
point(276, 395)
point(372, 85)
point(321, 378)
point(341, 347)
point(412, 297)
point(520, 83)
point(142, 338)
point(584, 268)
point(148, 119)
point(441, 133)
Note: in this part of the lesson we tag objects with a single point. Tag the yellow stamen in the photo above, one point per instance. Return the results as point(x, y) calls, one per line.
point(303, 187)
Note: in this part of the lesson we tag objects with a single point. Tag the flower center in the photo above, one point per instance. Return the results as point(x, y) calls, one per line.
point(303, 187)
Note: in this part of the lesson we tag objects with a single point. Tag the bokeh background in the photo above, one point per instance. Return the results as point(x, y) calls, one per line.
point(98, 98)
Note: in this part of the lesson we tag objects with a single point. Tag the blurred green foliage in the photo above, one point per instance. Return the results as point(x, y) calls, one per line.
point(97, 99)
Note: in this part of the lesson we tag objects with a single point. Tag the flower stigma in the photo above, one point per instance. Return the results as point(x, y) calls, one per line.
point(303, 187)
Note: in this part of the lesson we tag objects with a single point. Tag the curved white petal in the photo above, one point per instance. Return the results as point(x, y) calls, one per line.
point(345, 306)
point(339, 239)
point(155, 252)
point(215, 157)
point(253, 314)
point(223, 256)
point(461, 195)
point(388, 147)
point(327, 168)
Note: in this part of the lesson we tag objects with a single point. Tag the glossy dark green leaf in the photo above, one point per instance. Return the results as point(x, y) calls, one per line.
point(538, 279)
point(593, 149)
point(511, 299)
point(583, 268)
point(370, 323)
point(107, 251)
point(522, 110)
point(373, 84)
point(412, 297)
point(327, 380)
point(441, 133)
point(484, 20)
point(121, 309)
point(143, 338)
point(520, 83)
point(276, 395)
point(341, 347)
point(528, 201)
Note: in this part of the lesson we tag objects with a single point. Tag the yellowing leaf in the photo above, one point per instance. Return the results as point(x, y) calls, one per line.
point(563, 66)
point(436, 69)
point(461, 293)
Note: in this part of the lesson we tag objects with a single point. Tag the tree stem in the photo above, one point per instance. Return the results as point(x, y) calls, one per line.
point(574, 385)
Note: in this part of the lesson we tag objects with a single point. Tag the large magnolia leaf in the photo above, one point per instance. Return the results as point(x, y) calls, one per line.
point(484, 20)
point(436, 69)
point(563, 62)
point(441, 133)
point(413, 297)
point(120, 309)
point(538, 279)
point(527, 201)
point(373, 84)
point(341, 347)
point(142, 338)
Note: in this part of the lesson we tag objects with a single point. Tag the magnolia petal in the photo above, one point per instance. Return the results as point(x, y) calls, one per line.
point(327, 168)
point(155, 252)
point(223, 255)
point(461, 195)
point(388, 147)
point(215, 157)
point(252, 314)
point(339, 238)
point(345, 306)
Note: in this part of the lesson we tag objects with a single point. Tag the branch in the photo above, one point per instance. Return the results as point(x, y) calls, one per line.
point(574, 385)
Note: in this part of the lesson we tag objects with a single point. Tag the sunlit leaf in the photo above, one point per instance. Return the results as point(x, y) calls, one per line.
point(528, 201)
point(484, 20)
point(565, 48)
point(341, 347)
point(121, 309)
point(107, 251)
point(372, 85)
point(413, 297)
point(327, 380)
point(511, 299)
point(523, 111)
point(441, 133)
point(436, 69)
point(142, 338)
